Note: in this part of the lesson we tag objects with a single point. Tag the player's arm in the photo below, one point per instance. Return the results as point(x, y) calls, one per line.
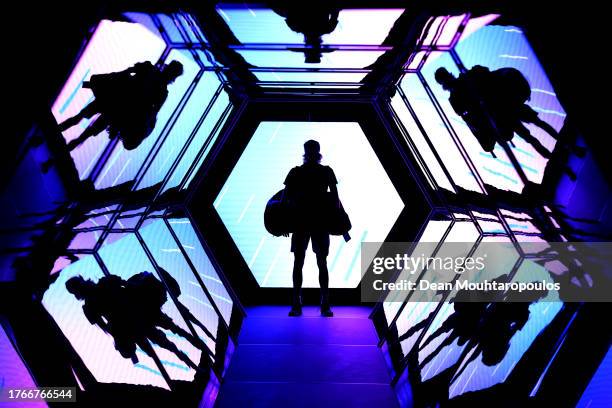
point(289, 186)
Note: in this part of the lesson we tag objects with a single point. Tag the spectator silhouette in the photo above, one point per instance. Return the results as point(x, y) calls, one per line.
point(306, 187)
point(127, 103)
point(312, 21)
point(493, 105)
point(131, 312)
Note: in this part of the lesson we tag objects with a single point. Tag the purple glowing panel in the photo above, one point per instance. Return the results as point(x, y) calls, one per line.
point(114, 47)
point(94, 346)
point(14, 373)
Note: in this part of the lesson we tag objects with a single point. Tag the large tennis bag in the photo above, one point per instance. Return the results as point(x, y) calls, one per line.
point(337, 222)
point(278, 215)
point(281, 216)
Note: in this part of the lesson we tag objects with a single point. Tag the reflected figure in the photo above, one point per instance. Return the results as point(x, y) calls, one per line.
point(306, 187)
point(493, 105)
point(126, 102)
point(131, 312)
point(462, 323)
point(313, 21)
point(495, 332)
point(487, 328)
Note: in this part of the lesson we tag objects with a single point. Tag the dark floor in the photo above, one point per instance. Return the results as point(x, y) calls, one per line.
point(309, 361)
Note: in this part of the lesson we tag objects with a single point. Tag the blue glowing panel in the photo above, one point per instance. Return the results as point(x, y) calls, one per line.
point(597, 394)
point(190, 27)
point(412, 319)
point(188, 238)
point(427, 160)
point(123, 165)
point(125, 257)
point(185, 124)
point(506, 46)
point(365, 190)
point(475, 375)
point(443, 357)
point(434, 232)
point(439, 351)
point(164, 249)
point(14, 373)
point(94, 346)
point(295, 59)
point(200, 146)
point(170, 25)
point(257, 25)
point(437, 132)
point(498, 171)
point(114, 46)
point(264, 26)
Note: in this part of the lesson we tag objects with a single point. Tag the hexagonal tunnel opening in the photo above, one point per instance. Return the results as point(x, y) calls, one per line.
point(177, 214)
point(265, 143)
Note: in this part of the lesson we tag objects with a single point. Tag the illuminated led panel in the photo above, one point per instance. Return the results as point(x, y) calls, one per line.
point(476, 375)
point(264, 26)
point(114, 46)
point(492, 46)
point(187, 123)
point(506, 46)
point(115, 257)
point(366, 192)
point(14, 373)
point(126, 254)
point(94, 346)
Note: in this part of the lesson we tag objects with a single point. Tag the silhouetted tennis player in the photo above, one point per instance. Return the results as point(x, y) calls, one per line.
point(307, 186)
point(127, 103)
point(493, 104)
point(131, 312)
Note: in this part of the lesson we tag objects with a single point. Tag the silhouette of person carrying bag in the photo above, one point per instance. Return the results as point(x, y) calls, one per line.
point(493, 105)
point(131, 312)
point(127, 103)
point(310, 212)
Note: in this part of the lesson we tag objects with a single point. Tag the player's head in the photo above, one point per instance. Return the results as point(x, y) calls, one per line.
point(173, 70)
point(444, 78)
point(312, 150)
point(79, 286)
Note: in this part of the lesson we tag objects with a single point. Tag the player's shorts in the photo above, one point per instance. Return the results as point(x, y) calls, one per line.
point(320, 242)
